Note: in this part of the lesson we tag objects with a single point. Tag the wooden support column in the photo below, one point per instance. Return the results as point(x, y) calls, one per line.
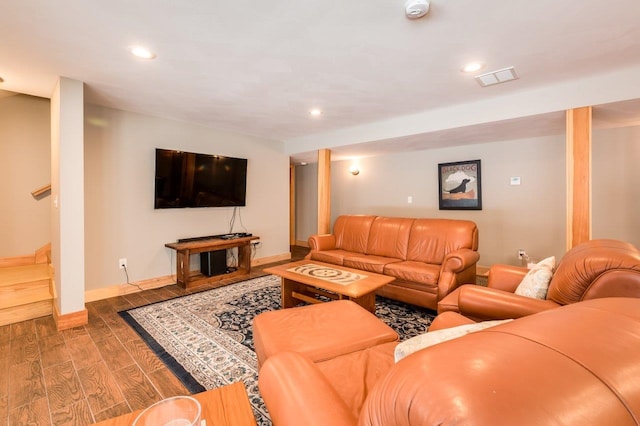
point(578, 176)
point(324, 191)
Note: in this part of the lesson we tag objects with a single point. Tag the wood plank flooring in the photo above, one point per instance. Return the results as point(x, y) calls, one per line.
point(87, 374)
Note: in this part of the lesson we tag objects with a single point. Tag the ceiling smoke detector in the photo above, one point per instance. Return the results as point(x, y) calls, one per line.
point(416, 8)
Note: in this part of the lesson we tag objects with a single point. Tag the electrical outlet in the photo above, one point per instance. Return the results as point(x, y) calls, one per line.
point(521, 253)
point(122, 263)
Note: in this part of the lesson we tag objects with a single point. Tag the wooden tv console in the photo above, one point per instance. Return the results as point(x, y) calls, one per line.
point(188, 279)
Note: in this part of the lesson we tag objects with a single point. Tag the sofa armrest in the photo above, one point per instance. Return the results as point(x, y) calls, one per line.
point(506, 277)
point(458, 267)
point(459, 260)
point(484, 303)
point(449, 319)
point(297, 393)
point(322, 242)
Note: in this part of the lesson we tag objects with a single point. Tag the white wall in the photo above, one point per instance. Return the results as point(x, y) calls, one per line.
point(119, 189)
point(530, 216)
point(306, 201)
point(616, 184)
point(25, 165)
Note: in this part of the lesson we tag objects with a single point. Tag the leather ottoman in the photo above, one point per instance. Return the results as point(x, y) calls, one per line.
point(320, 332)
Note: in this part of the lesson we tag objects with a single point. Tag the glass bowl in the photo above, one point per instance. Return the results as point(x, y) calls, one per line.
point(174, 411)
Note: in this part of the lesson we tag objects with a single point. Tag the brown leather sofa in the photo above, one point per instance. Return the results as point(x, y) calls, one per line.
point(577, 364)
point(594, 269)
point(428, 258)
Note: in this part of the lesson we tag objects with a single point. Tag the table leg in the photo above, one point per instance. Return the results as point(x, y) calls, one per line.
point(182, 268)
point(368, 301)
point(244, 257)
point(287, 288)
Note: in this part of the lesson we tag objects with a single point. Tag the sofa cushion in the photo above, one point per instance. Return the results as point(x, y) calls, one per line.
point(417, 272)
point(335, 257)
point(320, 331)
point(352, 232)
point(536, 283)
point(368, 263)
point(432, 239)
point(389, 237)
point(354, 374)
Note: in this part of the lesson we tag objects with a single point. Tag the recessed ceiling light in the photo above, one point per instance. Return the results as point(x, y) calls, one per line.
point(415, 9)
point(315, 112)
point(302, 163)
point(472, 67)
point(142, 52)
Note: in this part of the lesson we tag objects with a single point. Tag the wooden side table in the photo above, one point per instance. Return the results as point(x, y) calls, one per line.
point(186, 279)
point(224, 406)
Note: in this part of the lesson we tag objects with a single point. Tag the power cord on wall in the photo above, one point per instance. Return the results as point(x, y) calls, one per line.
point(127, 274)
point(254, 248)
point(232, 221)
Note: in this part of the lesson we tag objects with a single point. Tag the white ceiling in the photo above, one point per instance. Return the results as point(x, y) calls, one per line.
point(258, 67)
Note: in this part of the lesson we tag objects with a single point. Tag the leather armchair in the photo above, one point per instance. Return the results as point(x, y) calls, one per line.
point(594, 269)
point(573, 365)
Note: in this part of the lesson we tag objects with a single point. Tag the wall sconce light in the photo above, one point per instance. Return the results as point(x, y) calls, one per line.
point(354, 170)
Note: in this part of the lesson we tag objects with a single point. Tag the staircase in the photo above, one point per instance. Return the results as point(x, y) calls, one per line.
point(26, 287)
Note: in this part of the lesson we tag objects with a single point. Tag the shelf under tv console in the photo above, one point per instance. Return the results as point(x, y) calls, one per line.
point(189, 279)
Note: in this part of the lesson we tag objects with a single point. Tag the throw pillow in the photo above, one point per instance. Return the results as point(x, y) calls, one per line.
point(536, 283)
point(434, 337)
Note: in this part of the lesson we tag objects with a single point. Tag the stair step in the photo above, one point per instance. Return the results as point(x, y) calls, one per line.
point(25, 293)
point(26, 312)
point(20, 274)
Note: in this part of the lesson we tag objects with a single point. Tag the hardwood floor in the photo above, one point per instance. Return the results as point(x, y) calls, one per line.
point(90, 373)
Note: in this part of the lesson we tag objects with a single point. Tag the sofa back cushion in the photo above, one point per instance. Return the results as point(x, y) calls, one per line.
point(432, 239)
point(596, 269)
point(389, 237)
point(352, 232)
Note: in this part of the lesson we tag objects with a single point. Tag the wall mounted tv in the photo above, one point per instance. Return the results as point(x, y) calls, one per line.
point(187, 179)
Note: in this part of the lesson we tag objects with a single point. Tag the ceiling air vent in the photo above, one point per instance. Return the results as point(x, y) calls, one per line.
point(496, 77)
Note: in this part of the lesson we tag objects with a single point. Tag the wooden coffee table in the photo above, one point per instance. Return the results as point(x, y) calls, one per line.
point(307, 280)
point(224, 406)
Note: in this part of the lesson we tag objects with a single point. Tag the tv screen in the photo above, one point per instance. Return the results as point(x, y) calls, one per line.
point(187, 179)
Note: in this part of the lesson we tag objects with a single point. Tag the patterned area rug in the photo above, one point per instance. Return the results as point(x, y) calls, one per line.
point(206, 338)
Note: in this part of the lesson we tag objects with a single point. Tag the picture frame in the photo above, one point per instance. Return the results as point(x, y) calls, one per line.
point(459, 185)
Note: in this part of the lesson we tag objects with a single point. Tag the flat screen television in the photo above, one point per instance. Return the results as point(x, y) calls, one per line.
point(187, 179)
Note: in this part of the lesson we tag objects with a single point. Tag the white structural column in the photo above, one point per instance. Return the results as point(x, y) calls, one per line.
point(67, 197)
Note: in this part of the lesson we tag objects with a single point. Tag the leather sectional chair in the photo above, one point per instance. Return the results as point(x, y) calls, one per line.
point(577, 364)
point(428, 258)
point(594, 269)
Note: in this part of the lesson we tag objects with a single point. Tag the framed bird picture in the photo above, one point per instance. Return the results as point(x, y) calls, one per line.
point(459, 185)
